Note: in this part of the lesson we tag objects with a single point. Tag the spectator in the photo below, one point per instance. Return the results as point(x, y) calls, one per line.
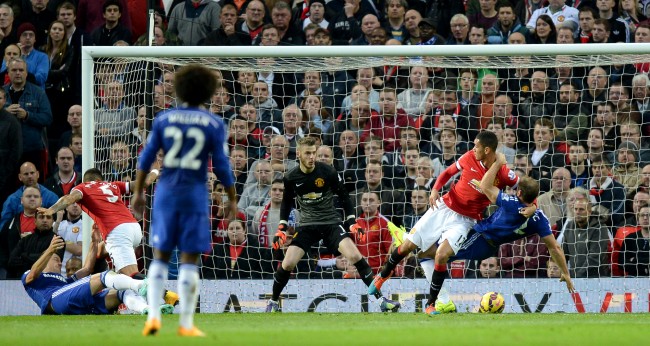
point(641, 92)
point(388, 124)
point(507, 24)
point(600, 32)
point(569, 116)
point(558, 12)
point(18, 226)
point(29, 104)
point(627, 170)
point(523, 258)
point(605, 119)
point(490, 268)
point(317, 116)
point(379, 37)
point(544, 156)
point(418, 206)
point(482, 108)
point(114, 118)
point(553, 202)
point(112, 30)
point(220, 104)
point(425, 176)
point(578, 165)
point(229, 33)
point(394, 20)
point(565, 35)
point(629, 13)
point(11, 147)
point(634, 256)
point(70, 229)
point(57, 85)
point(620, 31)
point(288, 34)
point(348, 159)
point(370, 233)
point(120, 165)
point(497, 127)
point(310, 34)
point(411, 20)
point(392, 201)
point(75, 36)
point(317, 15)
point(459, 24)
point(448, 156)
point(240, 258)
point(607, 192)
point(267, 219)
point(37, 61)
point(256, 194)
point(552, 269)
point(539, 103)
point(30, 248)
point(193, 20)
point(40, 15)
point(72, 266)
point(428, 35)
point(65, 177)
point(91, 14)
point(631, 132)
point(359, 114)
point(254, 21)
point(412, 98)
point(596, 89)
point(544, 32)
point(344, 26)
point(487, 16)
point(366, 78)
point(239, 163)
point(585, 243)
point(7, 29)
point(586, 18)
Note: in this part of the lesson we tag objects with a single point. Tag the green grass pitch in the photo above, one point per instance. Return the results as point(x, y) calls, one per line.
point(336, 329)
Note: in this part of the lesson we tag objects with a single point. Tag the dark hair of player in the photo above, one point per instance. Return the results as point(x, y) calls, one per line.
point(93, 174)
point(195, 84)
point(529, 189)
point(306, 141)
point(488, 139)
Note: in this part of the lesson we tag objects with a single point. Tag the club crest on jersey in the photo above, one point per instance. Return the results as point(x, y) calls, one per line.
point(560, 19)
point(319, 182)
point(75, 229)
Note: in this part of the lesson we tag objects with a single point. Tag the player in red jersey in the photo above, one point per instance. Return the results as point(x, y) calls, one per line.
point(102, 200)
point(444, 227)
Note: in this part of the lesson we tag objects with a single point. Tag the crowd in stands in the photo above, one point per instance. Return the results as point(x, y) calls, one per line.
point(389, 131)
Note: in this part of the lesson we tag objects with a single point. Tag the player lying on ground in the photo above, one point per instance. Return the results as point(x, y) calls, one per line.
point(81, 294)
point(189, 136)
point(505, 225)
point(312, 186)
point(450, 218)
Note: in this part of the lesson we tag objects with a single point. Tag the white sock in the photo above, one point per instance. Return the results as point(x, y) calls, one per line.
point(133, 301)
point(427, 267)
point(188, 292)
point(117, 281)
point(157, 278)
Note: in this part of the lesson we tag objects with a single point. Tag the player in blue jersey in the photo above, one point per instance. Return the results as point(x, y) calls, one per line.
point(189, 136)
point(80, 294)
point(505, 225)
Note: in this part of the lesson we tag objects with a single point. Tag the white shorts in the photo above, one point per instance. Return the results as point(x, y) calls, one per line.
point(438, 225)
point(120, 243)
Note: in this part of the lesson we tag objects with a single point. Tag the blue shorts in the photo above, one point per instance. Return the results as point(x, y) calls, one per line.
point(189, 231)
point(475, 247)
point(76, 299)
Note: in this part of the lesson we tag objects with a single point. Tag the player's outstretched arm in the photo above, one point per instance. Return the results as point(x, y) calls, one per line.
point(137, 198)
point(56, 244)
point(487, 183)
point(62, 203)
point(558, 257)
point(89, 265)
point(442, 180)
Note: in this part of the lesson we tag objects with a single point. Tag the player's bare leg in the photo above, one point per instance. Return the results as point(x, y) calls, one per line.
point(348, 249)
point(158, 271)
point(394, 259)
point(281, 276)
point(188, 290)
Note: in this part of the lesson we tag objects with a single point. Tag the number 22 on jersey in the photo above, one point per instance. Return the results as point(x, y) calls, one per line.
point(189, 159)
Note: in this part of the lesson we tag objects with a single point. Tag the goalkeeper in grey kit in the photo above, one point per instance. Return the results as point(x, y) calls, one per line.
point(312, 186)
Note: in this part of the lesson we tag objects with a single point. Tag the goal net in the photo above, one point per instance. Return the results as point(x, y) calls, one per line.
point(390, 120)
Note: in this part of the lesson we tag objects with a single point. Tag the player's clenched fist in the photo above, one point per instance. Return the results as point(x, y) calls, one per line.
point(281, 235)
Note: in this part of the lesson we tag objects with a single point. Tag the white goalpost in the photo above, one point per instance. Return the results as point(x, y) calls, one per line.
point(125, 86)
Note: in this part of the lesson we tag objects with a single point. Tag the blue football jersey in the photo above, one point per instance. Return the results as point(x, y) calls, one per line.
point(189, 138)
point(42, 288)
point(507, 225)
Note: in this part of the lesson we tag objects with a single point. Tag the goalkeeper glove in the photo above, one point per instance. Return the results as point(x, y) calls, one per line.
point(351, 220)
point(281, 235)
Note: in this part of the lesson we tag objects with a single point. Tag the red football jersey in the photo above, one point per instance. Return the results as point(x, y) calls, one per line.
point(102, 200)
point(464, 197)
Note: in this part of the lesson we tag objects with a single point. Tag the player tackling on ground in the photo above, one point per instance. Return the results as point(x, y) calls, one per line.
point(450, 218)
point(80, 294)
point(312, 186)
point(505, 225)
point(188, 135)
